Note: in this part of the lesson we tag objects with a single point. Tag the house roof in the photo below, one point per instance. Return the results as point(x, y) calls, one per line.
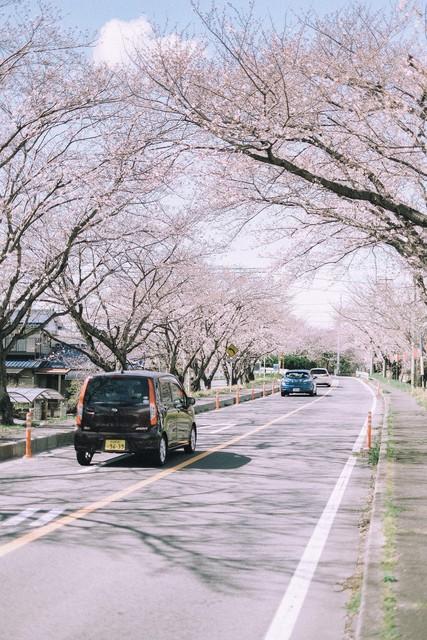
point(24, 364)
point(136, 373)
point(50, 371)
point(44, 366)
point(29, 394)
point(38, 316)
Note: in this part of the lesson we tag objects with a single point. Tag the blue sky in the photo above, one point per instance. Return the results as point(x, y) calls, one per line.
point(92, 14)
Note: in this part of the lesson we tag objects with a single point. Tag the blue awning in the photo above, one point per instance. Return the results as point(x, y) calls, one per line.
point(24, 364)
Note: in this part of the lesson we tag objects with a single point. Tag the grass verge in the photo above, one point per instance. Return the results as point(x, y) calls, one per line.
point(418, 393)
point(374, 453)
point(390, 629)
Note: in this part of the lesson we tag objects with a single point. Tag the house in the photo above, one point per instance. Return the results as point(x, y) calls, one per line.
point(35, 376)
point(29, 363)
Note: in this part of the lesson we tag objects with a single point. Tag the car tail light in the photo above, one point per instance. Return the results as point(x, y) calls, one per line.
point(79, 414)
point(153, 404)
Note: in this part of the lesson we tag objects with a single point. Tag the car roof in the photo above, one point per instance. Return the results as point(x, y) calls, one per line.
point(297, 371)
point(136, 373)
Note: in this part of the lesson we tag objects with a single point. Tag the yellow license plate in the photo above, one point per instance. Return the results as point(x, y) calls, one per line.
point(115, 445)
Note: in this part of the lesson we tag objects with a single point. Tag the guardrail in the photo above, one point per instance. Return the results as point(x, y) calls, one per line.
point(362, 374)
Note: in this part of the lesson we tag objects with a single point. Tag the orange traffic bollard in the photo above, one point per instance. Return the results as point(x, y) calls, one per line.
point(369, 430)
point(217, 400)
point(28, 425)
point(378, 389)
point(253, 394)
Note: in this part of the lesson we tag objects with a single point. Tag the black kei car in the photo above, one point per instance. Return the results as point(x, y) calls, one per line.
point(134, 412)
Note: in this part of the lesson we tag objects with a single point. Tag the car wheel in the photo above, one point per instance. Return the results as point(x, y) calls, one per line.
point(191, 446)
point(84, 457)
point(283, 394)
point(162, 452)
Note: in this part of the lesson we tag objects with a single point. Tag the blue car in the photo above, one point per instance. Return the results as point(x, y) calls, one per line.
point(298, 381)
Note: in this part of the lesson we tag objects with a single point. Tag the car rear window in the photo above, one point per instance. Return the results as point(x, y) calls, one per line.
point(319, 371)
point(121, 390)
point(297, 375)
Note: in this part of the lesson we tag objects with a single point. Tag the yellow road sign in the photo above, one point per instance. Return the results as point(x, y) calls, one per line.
point(231, 350)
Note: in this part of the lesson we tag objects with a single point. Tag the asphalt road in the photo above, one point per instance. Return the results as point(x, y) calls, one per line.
point(253, 538)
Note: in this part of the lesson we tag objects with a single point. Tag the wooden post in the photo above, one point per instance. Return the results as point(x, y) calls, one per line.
point(217, 405)
point(263, 389)
point(237, 395)
point(253, 394)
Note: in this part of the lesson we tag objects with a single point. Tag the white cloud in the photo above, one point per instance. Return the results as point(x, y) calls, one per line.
point(118, 39)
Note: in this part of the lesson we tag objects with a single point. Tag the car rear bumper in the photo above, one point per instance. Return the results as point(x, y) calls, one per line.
point(135, 442)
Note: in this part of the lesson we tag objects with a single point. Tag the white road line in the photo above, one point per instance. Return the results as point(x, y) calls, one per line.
point(20, 517)
point(222, 429)
point(47, 517)
point(221, 423)
point(286, 616)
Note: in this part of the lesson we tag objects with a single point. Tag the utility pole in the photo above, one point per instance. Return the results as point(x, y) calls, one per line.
point(338, 352)
point(412, 335)
point(338, 366)
point(371, 359)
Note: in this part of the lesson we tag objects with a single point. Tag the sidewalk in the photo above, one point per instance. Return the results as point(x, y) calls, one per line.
point(46, 437)
point(394, 594)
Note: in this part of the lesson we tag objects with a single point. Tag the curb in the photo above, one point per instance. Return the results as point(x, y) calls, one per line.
point(370, 618)
point(64, 438)
point(209, 405)
point(38, 444)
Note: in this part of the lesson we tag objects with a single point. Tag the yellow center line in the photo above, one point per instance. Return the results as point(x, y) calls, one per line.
point(45, 530)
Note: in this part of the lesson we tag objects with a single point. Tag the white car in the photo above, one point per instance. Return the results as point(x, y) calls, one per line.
point(322, 377)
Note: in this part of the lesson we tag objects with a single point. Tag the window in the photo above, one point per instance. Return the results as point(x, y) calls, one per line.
point(177, 392)
point(20, 346)
point(125, 391)
point(297, 375)
point(165, 393)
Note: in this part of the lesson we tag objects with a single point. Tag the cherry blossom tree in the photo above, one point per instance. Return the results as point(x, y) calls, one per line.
point(118, 292)
point(387, 320)
point(218, 307)
point(322, 123)
point(73, 158)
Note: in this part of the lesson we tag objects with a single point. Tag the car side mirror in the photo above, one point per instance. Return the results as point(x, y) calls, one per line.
point(314, 377)
point(191, 401)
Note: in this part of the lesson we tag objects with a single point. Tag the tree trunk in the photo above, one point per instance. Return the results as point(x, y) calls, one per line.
point(207, 382)
point(226, 371)
point(195, 384)
point(208, 379)
point(6, 407)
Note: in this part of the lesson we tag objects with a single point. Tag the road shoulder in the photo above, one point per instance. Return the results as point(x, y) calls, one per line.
point(394, 592)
